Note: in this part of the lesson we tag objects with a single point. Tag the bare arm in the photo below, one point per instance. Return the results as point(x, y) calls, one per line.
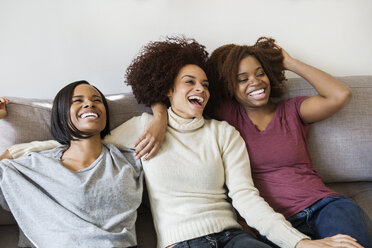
point(332, 94)
point(3, 102)
point(152, 138)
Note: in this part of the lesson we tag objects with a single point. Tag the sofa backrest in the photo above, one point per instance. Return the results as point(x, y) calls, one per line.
point(341, 146)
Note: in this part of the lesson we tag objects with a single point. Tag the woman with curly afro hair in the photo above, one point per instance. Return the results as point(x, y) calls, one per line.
point(186, 180)
point(245, 81)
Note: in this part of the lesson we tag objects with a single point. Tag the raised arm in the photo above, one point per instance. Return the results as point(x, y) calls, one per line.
point(332, 94)
point(152, 138)
point(3, 102)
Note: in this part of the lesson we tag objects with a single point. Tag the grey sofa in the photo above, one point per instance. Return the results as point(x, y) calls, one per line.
point(341, 146)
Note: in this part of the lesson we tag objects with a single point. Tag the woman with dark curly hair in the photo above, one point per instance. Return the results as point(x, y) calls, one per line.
point(245, 79)
point(198, 158)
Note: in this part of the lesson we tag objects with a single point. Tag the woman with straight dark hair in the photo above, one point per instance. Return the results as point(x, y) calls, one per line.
point(80, 194)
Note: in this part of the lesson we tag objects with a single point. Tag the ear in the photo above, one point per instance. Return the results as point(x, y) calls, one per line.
point(170, 93)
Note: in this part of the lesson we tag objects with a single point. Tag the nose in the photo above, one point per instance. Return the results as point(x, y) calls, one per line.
point(252, 80)
point(89, 104)
point(199, 87)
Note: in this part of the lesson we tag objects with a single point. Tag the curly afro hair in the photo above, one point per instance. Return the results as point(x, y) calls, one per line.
point(151, 74)
point(223, 65)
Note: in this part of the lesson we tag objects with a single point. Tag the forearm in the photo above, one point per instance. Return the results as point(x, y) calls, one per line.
point(326, 85)
point(2, 113)
point(159, 110)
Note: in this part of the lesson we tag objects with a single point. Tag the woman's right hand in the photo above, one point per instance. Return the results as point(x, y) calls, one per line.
point(5, 155)
point(3, 102)
point(339, 240)
point(150, 141)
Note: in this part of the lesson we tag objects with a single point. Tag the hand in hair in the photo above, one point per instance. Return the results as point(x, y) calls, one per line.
point(3, 102)
point(287, 59)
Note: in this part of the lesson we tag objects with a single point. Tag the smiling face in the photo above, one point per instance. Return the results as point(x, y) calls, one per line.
point(190, 93)
point(253, 89)
point(87, 111)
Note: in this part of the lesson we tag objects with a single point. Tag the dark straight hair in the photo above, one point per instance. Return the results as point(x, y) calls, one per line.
point(62, 128)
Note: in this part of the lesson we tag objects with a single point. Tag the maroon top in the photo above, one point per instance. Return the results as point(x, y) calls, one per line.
point(281, 164)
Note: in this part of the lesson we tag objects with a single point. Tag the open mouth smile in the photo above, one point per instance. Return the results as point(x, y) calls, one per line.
point(196, 100)
point(88, 115)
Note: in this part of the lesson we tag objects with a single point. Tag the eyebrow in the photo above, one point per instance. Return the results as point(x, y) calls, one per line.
point(242, 73)
point(78, 96)
point(205, 80)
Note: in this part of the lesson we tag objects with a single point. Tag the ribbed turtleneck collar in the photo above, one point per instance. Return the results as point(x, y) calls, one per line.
point(184, 125)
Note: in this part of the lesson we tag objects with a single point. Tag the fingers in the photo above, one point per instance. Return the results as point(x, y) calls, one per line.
point(342, 240)
point(338, 240)
point(147, 145)
point(140, 139)
point(4, 100)
point(152, 152)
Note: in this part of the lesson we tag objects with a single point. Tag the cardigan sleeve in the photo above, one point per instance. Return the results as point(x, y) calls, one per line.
point(125, 135)
point(245, 197)
point(20, 150)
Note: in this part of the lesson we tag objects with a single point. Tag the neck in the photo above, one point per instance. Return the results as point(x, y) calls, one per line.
point(82, 153)
point(260, 112)
point(262, 116)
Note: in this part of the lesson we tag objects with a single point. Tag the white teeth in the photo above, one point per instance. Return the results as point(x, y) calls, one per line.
point(89, 114)
point(256, 92)
point(197, 98)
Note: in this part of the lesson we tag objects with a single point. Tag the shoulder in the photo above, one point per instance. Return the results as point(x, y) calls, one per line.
point(294, 102)
point(290, 108)
point(125, 156)
point(37, 158)
point(221, 127)
point(226, 110)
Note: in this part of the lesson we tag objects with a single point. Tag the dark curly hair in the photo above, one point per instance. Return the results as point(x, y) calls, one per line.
point(223, 65)
point(151, 74)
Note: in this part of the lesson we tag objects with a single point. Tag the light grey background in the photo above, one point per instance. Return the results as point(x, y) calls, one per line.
point(45, 44)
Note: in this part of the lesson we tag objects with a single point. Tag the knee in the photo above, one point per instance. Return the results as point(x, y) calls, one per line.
point(342, 208)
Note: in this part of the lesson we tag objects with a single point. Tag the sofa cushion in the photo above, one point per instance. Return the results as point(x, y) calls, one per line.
point(340, 146)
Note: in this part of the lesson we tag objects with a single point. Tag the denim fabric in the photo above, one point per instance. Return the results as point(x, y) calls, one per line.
point(232, 238)
point(330, 216)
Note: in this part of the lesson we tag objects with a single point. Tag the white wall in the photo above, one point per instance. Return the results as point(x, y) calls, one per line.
point(45, 44)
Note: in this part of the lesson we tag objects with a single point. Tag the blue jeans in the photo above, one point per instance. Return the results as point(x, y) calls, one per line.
point(330, 216)
point(232, 238)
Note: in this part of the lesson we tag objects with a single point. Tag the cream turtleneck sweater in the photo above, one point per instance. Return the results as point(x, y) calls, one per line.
point(186, 181)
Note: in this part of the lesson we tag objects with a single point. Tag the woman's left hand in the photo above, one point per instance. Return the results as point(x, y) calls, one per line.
point(287, 59)
point(338, 240)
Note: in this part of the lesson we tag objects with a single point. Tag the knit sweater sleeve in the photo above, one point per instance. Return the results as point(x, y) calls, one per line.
point(245, 197)
point(125, 135)
point(20, 150)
